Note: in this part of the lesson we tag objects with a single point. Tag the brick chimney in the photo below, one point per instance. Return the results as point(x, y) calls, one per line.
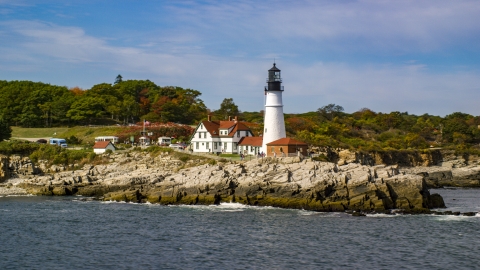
point(209, 118)
point(236, 119)
point(229, 118)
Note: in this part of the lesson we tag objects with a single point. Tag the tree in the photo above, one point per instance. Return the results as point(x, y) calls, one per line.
point(118, 79)
point(5, 130)
point(330, 111)
point(86, 108)
point(227, 108)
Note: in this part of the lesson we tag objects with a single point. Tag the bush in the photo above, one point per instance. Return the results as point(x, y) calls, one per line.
point(18, 147)
point(184, 158)
point(321, 157)
point(73, 140)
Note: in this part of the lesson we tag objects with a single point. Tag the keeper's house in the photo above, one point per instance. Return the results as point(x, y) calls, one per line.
point(219, 136)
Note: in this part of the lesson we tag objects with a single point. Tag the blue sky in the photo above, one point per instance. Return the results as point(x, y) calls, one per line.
point(415, 56)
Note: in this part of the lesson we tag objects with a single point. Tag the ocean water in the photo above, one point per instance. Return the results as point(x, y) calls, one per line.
point(79, 233)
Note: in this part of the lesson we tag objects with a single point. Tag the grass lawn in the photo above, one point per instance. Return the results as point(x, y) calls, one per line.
point(19, 132)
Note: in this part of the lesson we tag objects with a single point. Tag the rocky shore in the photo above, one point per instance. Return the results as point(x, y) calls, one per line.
point(287, 183)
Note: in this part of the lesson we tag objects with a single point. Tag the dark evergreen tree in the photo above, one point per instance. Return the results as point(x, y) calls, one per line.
point(5, 130)
point(118, 79)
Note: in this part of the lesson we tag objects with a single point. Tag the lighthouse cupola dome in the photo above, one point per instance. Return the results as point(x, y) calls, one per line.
point(274, 80)
point(274, 74)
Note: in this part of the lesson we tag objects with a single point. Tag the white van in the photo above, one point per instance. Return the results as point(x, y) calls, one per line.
point(59, 142)
point(164, 140)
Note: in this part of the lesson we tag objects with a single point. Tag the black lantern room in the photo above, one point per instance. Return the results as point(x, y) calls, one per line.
point(274, 79)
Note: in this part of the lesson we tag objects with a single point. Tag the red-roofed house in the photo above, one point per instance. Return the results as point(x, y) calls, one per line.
point(101, 147)
point(286, 147)
point(219, 136)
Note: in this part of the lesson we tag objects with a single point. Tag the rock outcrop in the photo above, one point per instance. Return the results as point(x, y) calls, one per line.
point(287, 183)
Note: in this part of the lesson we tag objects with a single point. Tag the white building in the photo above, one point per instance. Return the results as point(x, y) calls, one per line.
point(112, 139)
point(102, 146)
point(274, 123)
point(219, 136)
point(250, 145)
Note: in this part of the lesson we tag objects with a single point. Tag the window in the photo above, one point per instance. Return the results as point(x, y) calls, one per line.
point(205, 135)
point(281, 149)
point(214, 145)
point(225, 146)
point(208, 145)
point(238, 133)
point(201, 126)
point(265, 130)
point(200, 135)
point(234, 146)
point(197, 144)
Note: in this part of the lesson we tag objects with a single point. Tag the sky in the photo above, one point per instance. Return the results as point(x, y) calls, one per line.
point(408, 56)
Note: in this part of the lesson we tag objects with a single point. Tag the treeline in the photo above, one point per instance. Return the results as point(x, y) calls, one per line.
point(372, 131)
point(36, 104)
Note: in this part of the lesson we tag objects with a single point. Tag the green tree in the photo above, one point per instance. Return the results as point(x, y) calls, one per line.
point(330, 111)
point(227, 108)
point(118, 79)
point(5, 130)
point(86, 108)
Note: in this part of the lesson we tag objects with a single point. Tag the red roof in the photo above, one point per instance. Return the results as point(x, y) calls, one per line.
point(102, 145)
point(213, 127)
point(286, 141)
point(253, 141)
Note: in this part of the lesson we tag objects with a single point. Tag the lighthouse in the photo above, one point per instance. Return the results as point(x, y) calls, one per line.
point(274, 124)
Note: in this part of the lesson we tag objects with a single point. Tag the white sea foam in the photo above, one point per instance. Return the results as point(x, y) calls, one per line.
point(382, 215)
point(452, 218)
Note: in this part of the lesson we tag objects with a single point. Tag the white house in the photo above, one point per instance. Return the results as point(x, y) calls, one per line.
point(219, 136)
point(102, 146)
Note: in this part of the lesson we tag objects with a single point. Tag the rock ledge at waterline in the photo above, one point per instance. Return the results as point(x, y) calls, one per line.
point(286, 183)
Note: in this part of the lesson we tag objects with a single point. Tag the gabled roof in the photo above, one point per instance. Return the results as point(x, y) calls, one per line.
point(102, 145)
point(286, 141)
point(213, 127)
point(253, 141)
point(226, 124)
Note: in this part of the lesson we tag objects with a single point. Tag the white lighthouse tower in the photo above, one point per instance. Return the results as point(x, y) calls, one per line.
point(274, 123)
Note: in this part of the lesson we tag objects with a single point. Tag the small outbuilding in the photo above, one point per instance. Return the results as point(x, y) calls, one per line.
point(285, 147)
point(250, 145)
point(101, 147)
